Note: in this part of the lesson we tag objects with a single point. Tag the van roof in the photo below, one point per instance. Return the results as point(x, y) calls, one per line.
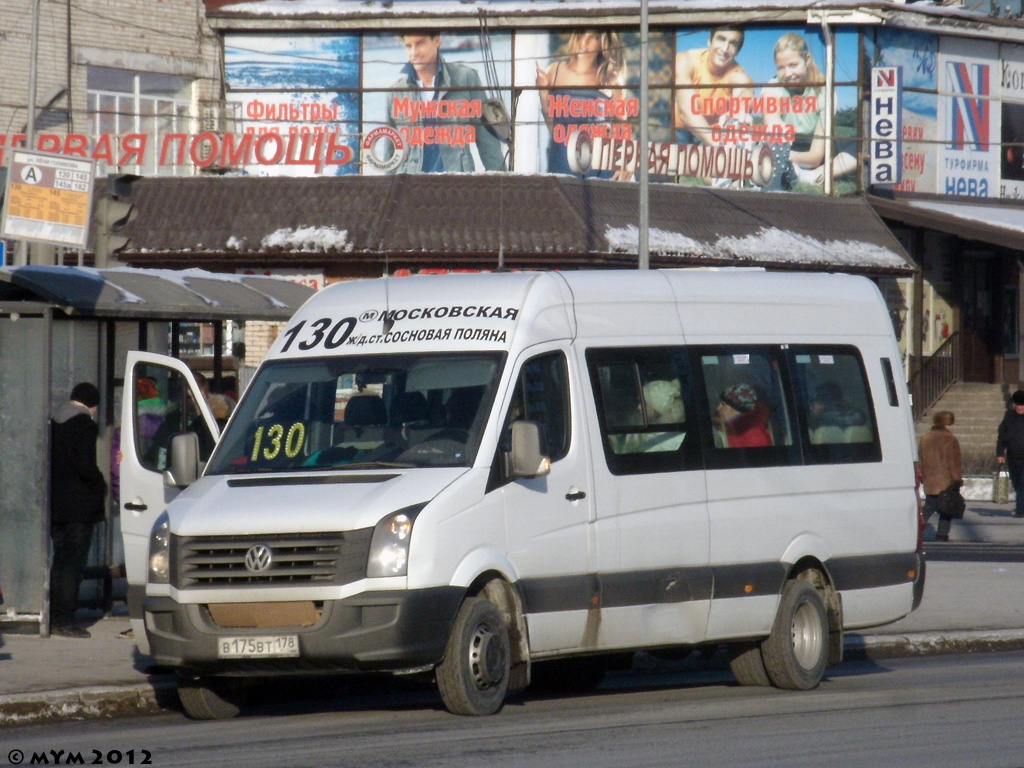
point(482, 311)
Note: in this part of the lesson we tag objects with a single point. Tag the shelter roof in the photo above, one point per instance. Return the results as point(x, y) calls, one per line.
point(151, 293)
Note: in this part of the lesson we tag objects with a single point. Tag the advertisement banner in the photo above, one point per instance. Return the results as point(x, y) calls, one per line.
point(916, 56)
point(886, 128)
point(297, 100)
point(1011, 84)
point(436, 102)
point(969, 114)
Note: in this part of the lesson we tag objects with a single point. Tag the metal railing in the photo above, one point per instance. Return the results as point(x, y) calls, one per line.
point(937, 374)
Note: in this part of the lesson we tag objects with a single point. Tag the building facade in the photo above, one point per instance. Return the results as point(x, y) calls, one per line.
point(917, 108)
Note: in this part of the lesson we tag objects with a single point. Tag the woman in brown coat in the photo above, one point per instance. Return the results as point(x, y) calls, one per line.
point(939, 461)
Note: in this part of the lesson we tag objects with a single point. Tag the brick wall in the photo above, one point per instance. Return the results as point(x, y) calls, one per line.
point(155, 36)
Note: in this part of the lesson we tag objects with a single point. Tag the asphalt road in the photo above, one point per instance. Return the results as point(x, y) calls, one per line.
point(938, 711)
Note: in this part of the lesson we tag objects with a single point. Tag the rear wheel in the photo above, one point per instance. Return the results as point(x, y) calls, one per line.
point(796, 652)
point(473, 678)
point(210, 698)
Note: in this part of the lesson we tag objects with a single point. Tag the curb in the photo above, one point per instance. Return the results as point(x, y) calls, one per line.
point(98, 701)
point(868, 647)
point(159, 694)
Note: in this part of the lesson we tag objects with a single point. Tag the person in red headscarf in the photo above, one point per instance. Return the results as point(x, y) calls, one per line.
point(743, 418)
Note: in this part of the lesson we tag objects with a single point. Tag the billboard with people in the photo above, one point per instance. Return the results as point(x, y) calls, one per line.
point(772, 107)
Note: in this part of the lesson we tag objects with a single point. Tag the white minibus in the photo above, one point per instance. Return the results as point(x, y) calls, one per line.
point(481, 478)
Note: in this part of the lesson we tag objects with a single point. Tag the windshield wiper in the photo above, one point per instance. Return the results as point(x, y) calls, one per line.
point(376, 465)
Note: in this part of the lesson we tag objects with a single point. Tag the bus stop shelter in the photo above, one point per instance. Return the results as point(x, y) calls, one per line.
point(62, 325)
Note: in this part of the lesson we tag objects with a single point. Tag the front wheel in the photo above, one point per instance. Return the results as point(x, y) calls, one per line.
point(473, 678)
point(210, 698)
point(796, 652)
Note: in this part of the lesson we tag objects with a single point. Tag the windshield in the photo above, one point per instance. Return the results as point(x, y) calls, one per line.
point(359, 412)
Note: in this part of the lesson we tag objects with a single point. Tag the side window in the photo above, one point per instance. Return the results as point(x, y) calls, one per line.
point(749, 406)
point(645, 408)
point(164, 408)
point(890, 382)
point(542, 395)
point(835, 405)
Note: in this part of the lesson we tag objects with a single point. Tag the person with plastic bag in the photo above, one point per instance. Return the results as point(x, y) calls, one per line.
point(940, 464)
point(1010, 447)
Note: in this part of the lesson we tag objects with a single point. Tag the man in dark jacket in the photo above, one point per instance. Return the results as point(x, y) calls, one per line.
point(1010, 447)
point(453, 115)
point(78, 495)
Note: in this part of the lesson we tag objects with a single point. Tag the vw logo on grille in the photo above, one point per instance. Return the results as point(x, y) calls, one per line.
point(258, 558)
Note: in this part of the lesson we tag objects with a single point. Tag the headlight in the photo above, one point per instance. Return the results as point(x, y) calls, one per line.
point(389, 547)
point(160, 551)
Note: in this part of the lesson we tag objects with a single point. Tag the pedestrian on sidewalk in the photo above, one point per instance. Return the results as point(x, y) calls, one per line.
point(78, 497)
point(940, 465)
point(1010, 447)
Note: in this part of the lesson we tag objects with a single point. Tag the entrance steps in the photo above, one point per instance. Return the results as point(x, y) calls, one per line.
point(978, 409)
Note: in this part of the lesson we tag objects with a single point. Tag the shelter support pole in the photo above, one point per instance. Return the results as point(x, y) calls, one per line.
point(44, 619)
point(218, 353)
point(110, 422)
point(175, 339)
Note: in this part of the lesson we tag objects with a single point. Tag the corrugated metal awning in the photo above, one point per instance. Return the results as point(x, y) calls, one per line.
point(155, 294)
point(361, 225)
point(997, 222)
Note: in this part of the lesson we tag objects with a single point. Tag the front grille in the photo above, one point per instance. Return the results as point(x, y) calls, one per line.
point(312, 559)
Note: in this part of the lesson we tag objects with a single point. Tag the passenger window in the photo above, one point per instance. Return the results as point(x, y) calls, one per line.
point(835, 405)
point(747, 403)
point(542, 395)
point(644, 405)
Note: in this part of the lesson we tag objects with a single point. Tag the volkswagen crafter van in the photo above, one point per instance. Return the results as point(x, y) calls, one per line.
point(467, 476)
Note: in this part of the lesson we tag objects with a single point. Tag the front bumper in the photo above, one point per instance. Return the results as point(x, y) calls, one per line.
point(372, 631)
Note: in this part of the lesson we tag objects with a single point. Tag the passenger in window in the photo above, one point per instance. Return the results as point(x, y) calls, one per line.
point(831, 418)
point(743, 419)
point(664, 402)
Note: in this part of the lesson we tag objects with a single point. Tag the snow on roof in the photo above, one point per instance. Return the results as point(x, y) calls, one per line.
point(769, 246)
point(1002, 216)
point(305, 238)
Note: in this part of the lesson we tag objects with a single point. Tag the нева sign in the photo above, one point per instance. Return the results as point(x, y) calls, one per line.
point(47, 199)
point(886, 113)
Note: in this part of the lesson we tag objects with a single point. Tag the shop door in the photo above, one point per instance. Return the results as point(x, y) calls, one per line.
point(978, 330)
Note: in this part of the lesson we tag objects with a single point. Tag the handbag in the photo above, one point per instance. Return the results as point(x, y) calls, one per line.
point(951, 503)
point(1001, 486)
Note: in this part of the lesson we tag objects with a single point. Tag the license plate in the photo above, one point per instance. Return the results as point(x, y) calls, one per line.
point(265, 647)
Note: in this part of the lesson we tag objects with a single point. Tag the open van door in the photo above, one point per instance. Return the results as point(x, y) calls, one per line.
point(161, 399)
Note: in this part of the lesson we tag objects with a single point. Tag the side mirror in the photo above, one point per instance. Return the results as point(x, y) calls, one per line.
point(526, 459)
point(183, 468)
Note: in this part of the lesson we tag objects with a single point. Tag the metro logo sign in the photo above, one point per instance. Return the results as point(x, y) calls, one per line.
point(970, 118)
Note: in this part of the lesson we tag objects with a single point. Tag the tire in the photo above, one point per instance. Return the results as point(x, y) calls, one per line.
point(206, 698)
point(747, 665)
point(796, 652)
point(473, 678)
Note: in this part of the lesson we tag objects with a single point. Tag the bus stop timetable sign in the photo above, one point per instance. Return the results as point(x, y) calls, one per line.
point(47, 199)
